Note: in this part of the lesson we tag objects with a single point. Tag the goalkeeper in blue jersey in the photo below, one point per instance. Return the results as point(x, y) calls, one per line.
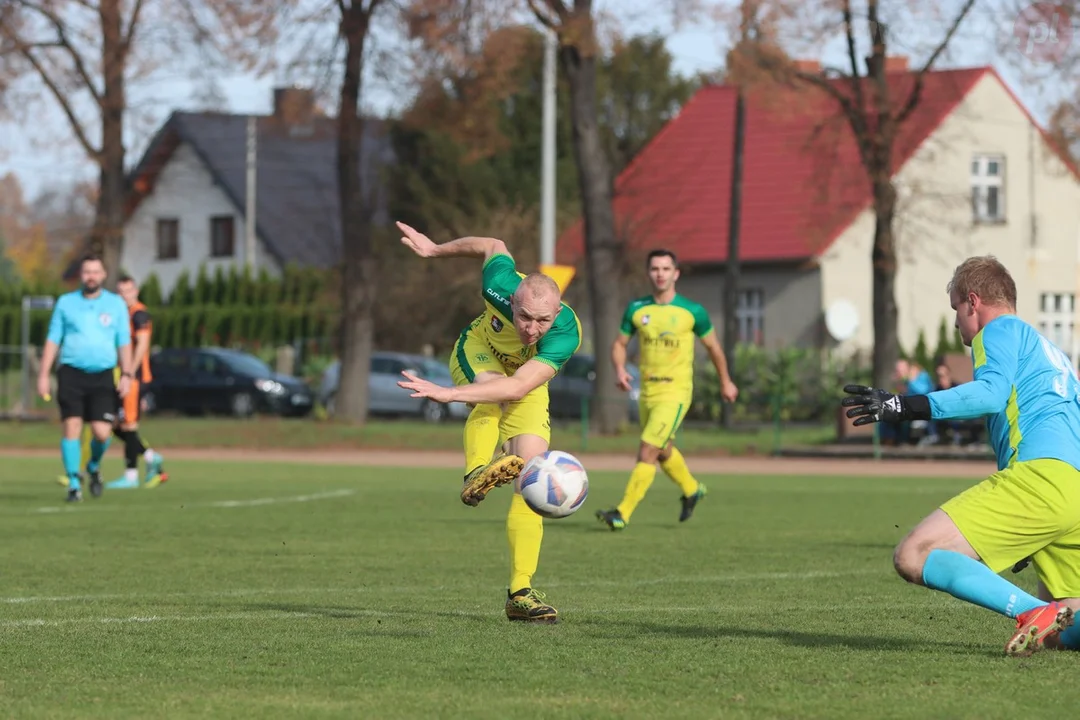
point(1030, 508)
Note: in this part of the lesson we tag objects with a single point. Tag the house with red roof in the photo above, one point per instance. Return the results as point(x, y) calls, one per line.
point(975, 175)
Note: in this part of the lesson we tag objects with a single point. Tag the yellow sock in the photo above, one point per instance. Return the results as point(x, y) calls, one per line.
point(640, 480)
point(481, 436)
point(525, 531)
point(675, 467)
point(87, 434)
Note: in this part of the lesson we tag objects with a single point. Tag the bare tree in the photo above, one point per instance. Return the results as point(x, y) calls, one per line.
point(864, 98)
point(85, 52)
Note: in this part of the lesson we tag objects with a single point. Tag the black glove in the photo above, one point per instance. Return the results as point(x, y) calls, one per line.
point(876, 405)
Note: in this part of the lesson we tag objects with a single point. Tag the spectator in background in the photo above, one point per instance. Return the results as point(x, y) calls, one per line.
point(911, 379)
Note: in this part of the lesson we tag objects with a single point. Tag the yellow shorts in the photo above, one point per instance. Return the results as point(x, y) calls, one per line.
point(660, 420)
point(527, 416)
point(1031, 509)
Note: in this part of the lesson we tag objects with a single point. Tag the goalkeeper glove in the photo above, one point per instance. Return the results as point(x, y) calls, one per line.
point(876, 405)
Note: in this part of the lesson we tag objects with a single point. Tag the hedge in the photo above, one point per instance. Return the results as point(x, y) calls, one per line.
point(227, 309)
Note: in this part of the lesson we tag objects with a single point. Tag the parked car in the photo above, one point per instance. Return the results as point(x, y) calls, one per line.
point(221, 381)
point(384, 395)
point(576, 381)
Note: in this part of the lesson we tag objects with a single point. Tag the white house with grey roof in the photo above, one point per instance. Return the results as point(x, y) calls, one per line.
point(186, 207)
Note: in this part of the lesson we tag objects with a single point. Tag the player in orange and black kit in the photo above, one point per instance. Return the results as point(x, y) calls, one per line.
point(127, 428)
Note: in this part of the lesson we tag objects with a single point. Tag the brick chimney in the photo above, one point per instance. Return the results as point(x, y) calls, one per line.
point(294, 108)
point(896, 63)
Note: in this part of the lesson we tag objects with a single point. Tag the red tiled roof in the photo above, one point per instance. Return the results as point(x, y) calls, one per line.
point(803, 182)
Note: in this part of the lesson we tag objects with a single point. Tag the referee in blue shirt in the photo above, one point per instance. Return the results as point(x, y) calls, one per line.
point(90, 332)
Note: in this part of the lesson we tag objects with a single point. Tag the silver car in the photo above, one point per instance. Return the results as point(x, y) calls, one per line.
point(384, 395)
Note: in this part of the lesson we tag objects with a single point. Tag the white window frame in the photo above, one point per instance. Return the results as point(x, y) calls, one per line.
point(988, 180)
point(1056, 314)
point(750, 315)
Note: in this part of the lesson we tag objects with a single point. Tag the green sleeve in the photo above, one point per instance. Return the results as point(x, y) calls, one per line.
point(500, 274)
point(627, 327)
point(561, 342)
point(702, 324)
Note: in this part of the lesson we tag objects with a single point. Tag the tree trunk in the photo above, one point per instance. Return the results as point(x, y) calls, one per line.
point(107, 236)
point(358, 265)
point(731, 279)
point(603, 264)
point(883, 258)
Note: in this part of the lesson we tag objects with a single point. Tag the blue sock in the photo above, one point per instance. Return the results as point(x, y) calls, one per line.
point(1071, 637)
point(71, 454)
point(97, 451)
point(968, 579)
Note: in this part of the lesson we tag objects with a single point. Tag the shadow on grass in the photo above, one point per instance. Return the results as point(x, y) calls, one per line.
point(374, 615)
point(812, 640)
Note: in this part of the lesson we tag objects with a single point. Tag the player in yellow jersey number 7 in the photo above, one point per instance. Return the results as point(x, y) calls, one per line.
point(666, 324)
point(501, 366)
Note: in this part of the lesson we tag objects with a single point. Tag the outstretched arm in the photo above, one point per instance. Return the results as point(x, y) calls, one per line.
point(528, 377)
point(423, 246)
point(995, 351)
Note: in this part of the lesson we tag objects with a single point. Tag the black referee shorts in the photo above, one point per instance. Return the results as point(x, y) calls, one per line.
point(87, 395)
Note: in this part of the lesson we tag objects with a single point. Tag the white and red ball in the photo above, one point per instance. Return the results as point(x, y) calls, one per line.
point(553, 484)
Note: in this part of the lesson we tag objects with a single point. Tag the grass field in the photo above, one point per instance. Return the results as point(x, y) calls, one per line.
point(248, 591)
point(165, 432)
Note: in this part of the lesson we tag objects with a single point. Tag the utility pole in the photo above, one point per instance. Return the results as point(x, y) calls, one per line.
point(547, 163)
point(561, 274)
point(249, 192)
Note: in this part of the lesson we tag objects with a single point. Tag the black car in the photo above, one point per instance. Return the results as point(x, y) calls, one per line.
point(574, 385)
point(220, 381)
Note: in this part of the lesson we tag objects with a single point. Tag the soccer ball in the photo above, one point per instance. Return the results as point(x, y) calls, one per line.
point(554, 484)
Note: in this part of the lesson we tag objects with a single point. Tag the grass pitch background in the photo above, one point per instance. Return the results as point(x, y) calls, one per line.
point(247, 590)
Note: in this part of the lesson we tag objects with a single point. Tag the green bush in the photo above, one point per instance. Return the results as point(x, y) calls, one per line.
point(799, 384)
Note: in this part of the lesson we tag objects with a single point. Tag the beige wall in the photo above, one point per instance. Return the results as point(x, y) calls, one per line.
point(935, 228)
point(792, 302)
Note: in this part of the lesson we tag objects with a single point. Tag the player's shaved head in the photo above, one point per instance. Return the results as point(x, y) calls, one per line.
point(537, 286)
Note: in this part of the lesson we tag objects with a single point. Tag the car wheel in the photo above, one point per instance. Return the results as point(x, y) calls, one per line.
point(433, 412)
point(242, 405)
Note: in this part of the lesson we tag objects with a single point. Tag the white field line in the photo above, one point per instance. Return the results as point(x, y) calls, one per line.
point(267, 592)
point(253, 502)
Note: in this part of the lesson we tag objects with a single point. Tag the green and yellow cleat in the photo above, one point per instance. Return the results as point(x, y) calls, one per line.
point(527, 605)
point(503, 469)
point(612, 518)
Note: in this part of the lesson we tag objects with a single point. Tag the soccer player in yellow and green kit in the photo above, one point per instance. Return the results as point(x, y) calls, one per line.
point(501, 366)
point(666, 324)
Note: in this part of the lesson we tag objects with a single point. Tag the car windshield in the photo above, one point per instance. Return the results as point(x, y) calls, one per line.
point(248, 364)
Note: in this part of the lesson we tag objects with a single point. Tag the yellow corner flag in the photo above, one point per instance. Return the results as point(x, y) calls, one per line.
point(561, 274)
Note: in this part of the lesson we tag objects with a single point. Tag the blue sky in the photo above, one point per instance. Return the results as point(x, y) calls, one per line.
point(42, 152)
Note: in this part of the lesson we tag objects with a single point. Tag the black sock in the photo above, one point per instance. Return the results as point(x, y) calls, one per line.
point(133, 448)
